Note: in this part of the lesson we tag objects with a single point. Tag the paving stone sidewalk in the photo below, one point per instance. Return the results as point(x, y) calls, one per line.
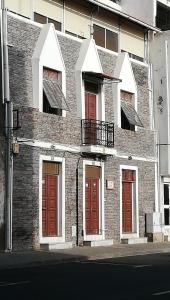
point(35, 258)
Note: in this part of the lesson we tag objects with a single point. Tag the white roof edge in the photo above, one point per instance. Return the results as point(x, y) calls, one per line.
point(125, 15)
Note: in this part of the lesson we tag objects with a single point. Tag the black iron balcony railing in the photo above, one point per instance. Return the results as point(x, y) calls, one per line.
point(96, 132)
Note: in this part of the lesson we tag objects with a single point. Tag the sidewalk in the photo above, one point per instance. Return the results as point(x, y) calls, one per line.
point(36, 258)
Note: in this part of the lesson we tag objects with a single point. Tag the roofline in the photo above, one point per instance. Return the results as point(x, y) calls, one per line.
point(105, 6)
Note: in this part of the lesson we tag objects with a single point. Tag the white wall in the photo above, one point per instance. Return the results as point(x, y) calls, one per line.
point(144, 10)
point(160, 58)
point(22, 7)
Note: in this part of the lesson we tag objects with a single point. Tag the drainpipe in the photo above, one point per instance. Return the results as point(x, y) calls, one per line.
point(8, 135)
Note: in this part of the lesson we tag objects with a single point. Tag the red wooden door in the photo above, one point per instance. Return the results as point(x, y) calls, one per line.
point(90, 106)
point(92, 206)
point(90, 114)
point(127, 206)
point(128, 179)
point(49, 205)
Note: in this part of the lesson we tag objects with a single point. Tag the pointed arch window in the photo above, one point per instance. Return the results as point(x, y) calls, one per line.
point(53, 98)
point(129, 116)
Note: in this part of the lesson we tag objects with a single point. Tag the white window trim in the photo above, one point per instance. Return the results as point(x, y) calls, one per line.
point(61, 79)
point(119, 105)
point(58, 239)
point(101, 202)
point(136, 233)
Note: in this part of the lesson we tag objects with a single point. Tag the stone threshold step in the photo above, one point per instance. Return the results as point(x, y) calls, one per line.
point(98, 243)
point(56, 246)
point(131, 241)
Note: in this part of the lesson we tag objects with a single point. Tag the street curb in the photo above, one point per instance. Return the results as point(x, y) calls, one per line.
point(46, 262)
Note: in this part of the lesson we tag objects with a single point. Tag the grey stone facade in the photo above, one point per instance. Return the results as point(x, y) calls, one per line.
point(67, 131)
point(2, 181)
point(2, 188)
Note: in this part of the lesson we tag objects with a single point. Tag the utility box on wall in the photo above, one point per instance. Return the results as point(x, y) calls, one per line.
point(154, 224)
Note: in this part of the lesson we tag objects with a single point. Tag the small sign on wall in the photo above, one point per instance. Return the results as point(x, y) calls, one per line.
point(109, 184)
point(74, 230)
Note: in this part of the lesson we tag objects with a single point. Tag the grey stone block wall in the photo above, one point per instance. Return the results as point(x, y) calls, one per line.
point(2, 191)
point(67, 131)
point(22, 37)
point(2, 176)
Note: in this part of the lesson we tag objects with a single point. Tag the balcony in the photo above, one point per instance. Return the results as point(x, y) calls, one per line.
point(97, 136)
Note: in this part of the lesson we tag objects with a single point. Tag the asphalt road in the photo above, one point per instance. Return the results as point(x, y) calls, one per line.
point(138, 277)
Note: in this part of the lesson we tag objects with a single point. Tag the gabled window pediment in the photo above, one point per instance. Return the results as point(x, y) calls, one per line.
point(49, 77)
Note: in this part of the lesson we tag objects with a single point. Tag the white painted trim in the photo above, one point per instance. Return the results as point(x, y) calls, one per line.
point(101, 202)
point(136, 233)
point(79, 149)
point(156, 189)
point(166, 179)
point(149, 159)
point(59, 239)
point(102, 102)
point(47, 53)
point(49, 146)
point(167, 206)
point(138, 62)
point(129, 236)
point(161, 194)
point(98, 150)
point(107, 50)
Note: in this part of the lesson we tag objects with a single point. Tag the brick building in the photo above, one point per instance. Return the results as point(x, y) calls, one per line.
point(87, 168)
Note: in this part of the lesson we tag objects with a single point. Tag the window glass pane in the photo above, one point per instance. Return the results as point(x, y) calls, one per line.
point(57, 25)
point(136, 57)
point(40, 18)
point(71, 33)
point(166, 194)
point(124, 121)
point(99, 35)
point(111, 40)
point(166, 216)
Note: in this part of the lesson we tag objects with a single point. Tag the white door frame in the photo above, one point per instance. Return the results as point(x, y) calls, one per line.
point(135, 215)
point(166, 227)
point(58, 239)
point(101, 202)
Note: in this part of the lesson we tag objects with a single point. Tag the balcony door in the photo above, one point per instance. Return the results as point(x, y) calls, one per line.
point(90, 114)
point(90, 106)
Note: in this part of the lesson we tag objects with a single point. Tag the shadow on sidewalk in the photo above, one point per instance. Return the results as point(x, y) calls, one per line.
point(36, 258)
